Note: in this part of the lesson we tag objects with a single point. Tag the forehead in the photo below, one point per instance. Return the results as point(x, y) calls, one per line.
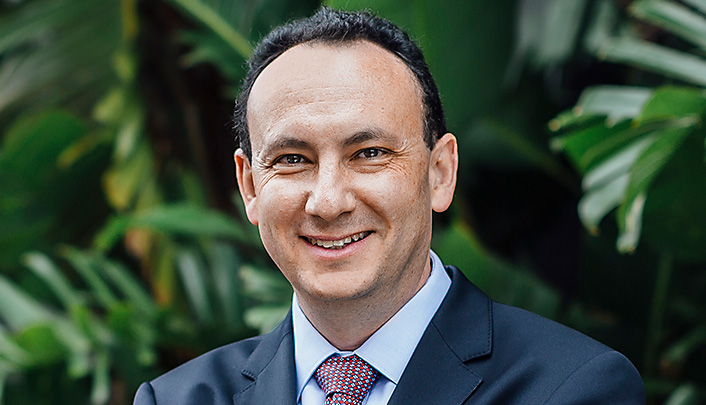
point(321, 81)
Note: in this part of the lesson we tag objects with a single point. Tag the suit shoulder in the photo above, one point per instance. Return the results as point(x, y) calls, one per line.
point(514, 325)
point(210, 377)
point(228, 356)
point(560, 359)
point(221, 374)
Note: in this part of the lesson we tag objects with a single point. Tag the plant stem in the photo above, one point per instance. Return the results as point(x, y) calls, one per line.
point(659, 304)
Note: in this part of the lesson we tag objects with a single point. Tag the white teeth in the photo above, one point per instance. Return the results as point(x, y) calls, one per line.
point(340, 243)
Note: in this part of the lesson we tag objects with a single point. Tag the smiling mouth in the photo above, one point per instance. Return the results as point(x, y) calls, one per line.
point(339, 243)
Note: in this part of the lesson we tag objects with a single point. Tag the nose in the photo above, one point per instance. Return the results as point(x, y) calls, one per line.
point(330, 195)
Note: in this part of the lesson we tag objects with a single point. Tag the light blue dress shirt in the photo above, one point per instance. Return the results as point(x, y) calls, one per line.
point(388, 350)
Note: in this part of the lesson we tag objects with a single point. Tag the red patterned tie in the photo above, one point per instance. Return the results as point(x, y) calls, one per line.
point(345, 380)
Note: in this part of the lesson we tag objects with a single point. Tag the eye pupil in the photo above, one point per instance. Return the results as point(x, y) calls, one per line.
point(293, 159)
point(371, 152)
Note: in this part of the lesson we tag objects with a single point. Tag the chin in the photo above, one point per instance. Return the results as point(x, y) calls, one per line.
point(338, 288)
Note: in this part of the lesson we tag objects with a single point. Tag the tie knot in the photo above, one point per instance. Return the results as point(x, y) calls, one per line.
point(345, 380)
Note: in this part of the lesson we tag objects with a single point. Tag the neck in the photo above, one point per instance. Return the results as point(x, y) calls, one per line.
point(347, 324)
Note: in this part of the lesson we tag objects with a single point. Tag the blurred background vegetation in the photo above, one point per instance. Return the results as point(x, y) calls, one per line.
point(124, 251)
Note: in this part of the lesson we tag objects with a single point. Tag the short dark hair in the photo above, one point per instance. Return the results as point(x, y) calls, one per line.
point(332, 26)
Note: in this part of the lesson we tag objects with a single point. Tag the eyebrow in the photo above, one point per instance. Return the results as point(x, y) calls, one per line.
point(286, 142)
point(289, 142)
point(364, 136)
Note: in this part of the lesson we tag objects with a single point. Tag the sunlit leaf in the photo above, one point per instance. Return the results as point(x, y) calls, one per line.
point(11, 351)
point(86, 267)
point(569, 120)
point(685, 394)
point(679, 103)
point(546, 32)
point(193, 276)
point(559, 31)
point(617, 103)
point(582, 145)
point(126, 283)
point(265, 318)
point(17, 308)
point(617, 164)
point(128, 139)
point(77, 345)
point(164, 275)
point(78, 150)
point(646, 167)
point(100, 390)
point(600, 27)
point(697, 4)
point(652, 159)
point(265, 285)
point(183, 219)
point(657, 58)
point(632, 224)
point(41, 343)
point(125, 180)
point(93, 327)
point(601, 200)
point(43, 267)
point(528, 35)
point(607, 146)
point(223, 259)
point(674, 18)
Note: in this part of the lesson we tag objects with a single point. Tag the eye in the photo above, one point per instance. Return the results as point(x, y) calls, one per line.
point(291, 159)
point(369, 153)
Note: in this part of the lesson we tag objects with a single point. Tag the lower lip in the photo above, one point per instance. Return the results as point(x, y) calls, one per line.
point(333, 254)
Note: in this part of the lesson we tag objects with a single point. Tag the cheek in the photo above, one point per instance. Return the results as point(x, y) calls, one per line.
point(399, 195)
point(278, 202)
point(278, 208)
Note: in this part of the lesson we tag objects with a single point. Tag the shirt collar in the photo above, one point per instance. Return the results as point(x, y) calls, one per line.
point(389, 349)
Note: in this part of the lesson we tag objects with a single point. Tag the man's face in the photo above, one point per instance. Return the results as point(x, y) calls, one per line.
point(341, 183)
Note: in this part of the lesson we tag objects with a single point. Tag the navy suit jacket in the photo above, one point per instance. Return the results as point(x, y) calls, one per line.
point(474, 351)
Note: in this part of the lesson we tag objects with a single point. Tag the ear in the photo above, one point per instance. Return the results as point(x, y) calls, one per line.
point(442, 172)
point(246, 185)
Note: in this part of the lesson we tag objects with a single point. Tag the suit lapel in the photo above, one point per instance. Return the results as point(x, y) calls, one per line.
point(271, 369)
point(441, 367)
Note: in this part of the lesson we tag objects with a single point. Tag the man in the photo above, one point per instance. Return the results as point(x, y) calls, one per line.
point(344, 156)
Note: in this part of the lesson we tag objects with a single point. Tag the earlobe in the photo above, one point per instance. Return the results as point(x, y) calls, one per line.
point(246, 185)
point(442, 172)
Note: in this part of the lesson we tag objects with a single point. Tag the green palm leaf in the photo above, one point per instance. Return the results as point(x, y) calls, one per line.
point(57, 52)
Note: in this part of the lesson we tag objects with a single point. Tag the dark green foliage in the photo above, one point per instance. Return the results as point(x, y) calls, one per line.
point(123, 246)
point(641, 152)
